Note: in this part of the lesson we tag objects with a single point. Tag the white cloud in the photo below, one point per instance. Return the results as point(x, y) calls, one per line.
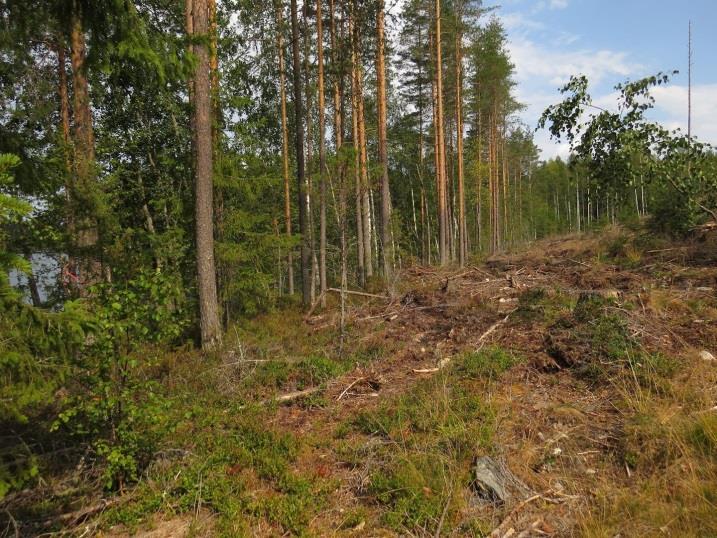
point(545, 57)
point(517, 21)
point(671, 109)
point(550, 149)
point(550, 4)
point(555, 66)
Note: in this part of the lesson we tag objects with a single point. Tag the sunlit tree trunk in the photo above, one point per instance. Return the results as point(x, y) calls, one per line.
point(63, 95)
point(442, 201)
point(360, 241)
point(363, 154)
point(207, 287)
point(462, 239)
point(309, 141)
point(83, 161)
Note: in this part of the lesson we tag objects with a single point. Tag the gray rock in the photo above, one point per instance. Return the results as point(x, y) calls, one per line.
point(493, 482)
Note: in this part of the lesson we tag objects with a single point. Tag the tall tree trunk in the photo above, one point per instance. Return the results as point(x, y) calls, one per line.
point(504, 168)
point(216, 107)
point(322, 152)
point(189, 27)
point(442, 189)
point(386, 251)
point(425, 240)
point(83, 145)
point(479, 182)
point(303, 188)
point(66, 141)
point(363, 191)
point(360, 267)
point(309, 141)
point(462, 239)
point(436, 155)
point(204, 192)
point(357, 175)
point(365, 187)
point(284, 139)
point(337, 86)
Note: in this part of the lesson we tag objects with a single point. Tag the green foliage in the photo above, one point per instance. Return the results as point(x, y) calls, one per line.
point(121, 409)
point(415, 489)
point(12, 209)
point(234, 455)
point(539, 304)
point(702, 435)
point(621, 150)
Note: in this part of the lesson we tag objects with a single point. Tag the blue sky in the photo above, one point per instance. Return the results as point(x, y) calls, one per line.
point(610, 41)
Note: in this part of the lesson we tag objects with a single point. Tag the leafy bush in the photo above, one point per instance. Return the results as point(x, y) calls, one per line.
point(622, 150)
point(115, 404)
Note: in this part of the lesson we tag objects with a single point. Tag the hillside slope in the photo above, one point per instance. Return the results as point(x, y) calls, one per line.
point(583, 368)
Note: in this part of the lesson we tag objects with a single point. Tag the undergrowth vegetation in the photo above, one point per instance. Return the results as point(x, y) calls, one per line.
point(426, 441)
point(223, 452)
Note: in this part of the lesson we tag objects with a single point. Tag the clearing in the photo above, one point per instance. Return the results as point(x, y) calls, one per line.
point(583, 368)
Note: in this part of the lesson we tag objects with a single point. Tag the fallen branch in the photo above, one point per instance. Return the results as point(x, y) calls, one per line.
point(441, 365)
point(579, 262)
point(13, 523)
point(415, 309)
point(493, 327)
point(293, 395)
point(316, 303)
point(359, 293)
point(349, 387)
point(74, 518)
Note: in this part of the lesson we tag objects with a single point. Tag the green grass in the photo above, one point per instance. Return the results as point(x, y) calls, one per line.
point(234, 455)
point(238, 466)
point(431, 434)
point(487, 364)
point(539, 304)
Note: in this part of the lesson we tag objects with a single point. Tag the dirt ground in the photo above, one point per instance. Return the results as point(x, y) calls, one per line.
point(561, 434)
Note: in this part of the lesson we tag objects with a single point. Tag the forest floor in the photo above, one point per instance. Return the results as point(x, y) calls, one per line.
point(583, 367)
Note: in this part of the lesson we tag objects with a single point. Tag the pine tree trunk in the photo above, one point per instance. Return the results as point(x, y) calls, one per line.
point(84, 147)
point(442, 187)
point(505, 189)
point(365, 188)
point(365, 207)
point(436, 155)
point(309, 140)
point(322, 153)
point(479, 181)
point(189, 27)
point(360, 263)
point(66, 140)
point(284, 140)
point(387, 251)
point(303, 188)
point(207, 286)
point(462, 239)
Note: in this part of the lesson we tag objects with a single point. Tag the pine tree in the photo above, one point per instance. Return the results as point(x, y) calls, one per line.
point(204, 190)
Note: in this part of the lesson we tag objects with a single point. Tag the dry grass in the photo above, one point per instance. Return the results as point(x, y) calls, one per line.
point(619, 440)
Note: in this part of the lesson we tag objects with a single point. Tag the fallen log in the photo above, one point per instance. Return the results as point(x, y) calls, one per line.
point(359, 293)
